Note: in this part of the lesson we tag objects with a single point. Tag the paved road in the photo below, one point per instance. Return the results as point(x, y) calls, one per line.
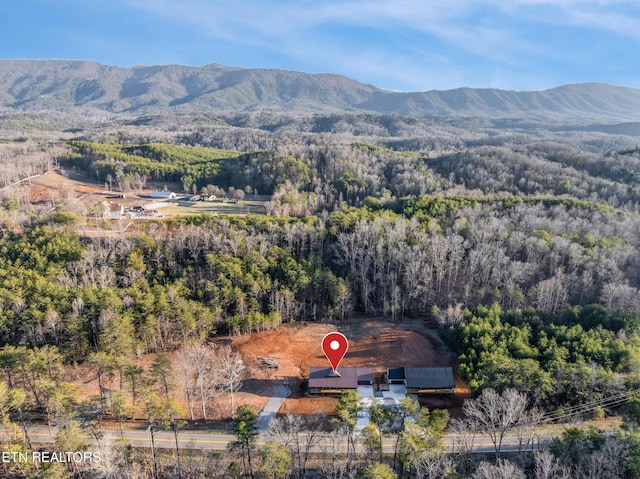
point(216, 441)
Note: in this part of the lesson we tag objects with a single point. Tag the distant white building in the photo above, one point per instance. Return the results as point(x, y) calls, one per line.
point(163, 194)
point(111, 210)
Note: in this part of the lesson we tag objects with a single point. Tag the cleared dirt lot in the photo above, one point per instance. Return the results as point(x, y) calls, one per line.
point(294, 348)
point(298, 346)
point(53, 186)
point(56, 187)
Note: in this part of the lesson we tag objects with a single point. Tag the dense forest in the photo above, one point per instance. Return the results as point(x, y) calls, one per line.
point(519, 244)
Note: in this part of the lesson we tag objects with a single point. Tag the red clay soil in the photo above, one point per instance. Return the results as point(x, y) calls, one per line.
point(55, 187)
point(73, 182)
point(297, 347)
point(38, 194)
point(294, 348)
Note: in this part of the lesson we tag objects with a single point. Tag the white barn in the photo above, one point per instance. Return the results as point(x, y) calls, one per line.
point(163, 194)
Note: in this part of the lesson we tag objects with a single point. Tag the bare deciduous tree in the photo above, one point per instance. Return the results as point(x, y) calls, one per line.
point(200, 377)
point(231, 370)
point(497, 413)
point(607, 462)
point(464, 431)
point(333, 464)
point(300, 434)
point(503, 469)
point(547, 466)
point(434, 466)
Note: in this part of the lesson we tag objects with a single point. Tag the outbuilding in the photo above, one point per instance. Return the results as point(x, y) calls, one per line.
point(163, 194)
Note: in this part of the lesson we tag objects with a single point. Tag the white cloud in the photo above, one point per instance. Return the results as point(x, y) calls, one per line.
point(618, 23)
point(287, 22)
point(305, 30)
point(619, 16)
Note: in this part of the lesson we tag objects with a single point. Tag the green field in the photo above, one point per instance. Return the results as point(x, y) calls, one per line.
point(184, 208)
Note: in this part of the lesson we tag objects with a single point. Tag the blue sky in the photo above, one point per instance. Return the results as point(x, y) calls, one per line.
point(408, 45)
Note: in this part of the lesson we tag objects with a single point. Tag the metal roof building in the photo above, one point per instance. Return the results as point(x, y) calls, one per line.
point(321, 381)
point(395, 375)
point(423, 380)
point(163, 194)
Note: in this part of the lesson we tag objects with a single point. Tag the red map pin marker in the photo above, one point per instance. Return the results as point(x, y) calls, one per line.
point(335, 346)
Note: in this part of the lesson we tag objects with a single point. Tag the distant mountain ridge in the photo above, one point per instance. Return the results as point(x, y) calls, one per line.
point(37, 85)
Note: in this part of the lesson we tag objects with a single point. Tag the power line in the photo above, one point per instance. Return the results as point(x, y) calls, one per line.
point(589, 406)
point(563, 411)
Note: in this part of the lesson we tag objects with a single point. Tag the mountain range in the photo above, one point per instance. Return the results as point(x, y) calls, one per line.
point(65, 85)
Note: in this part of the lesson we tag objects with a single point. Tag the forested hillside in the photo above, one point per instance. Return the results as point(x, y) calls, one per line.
point(517, 243)
point(377, 215)
point(98, 91)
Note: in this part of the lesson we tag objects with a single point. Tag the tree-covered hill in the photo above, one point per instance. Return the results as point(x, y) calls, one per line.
point(59, 85)
point(515, 240)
